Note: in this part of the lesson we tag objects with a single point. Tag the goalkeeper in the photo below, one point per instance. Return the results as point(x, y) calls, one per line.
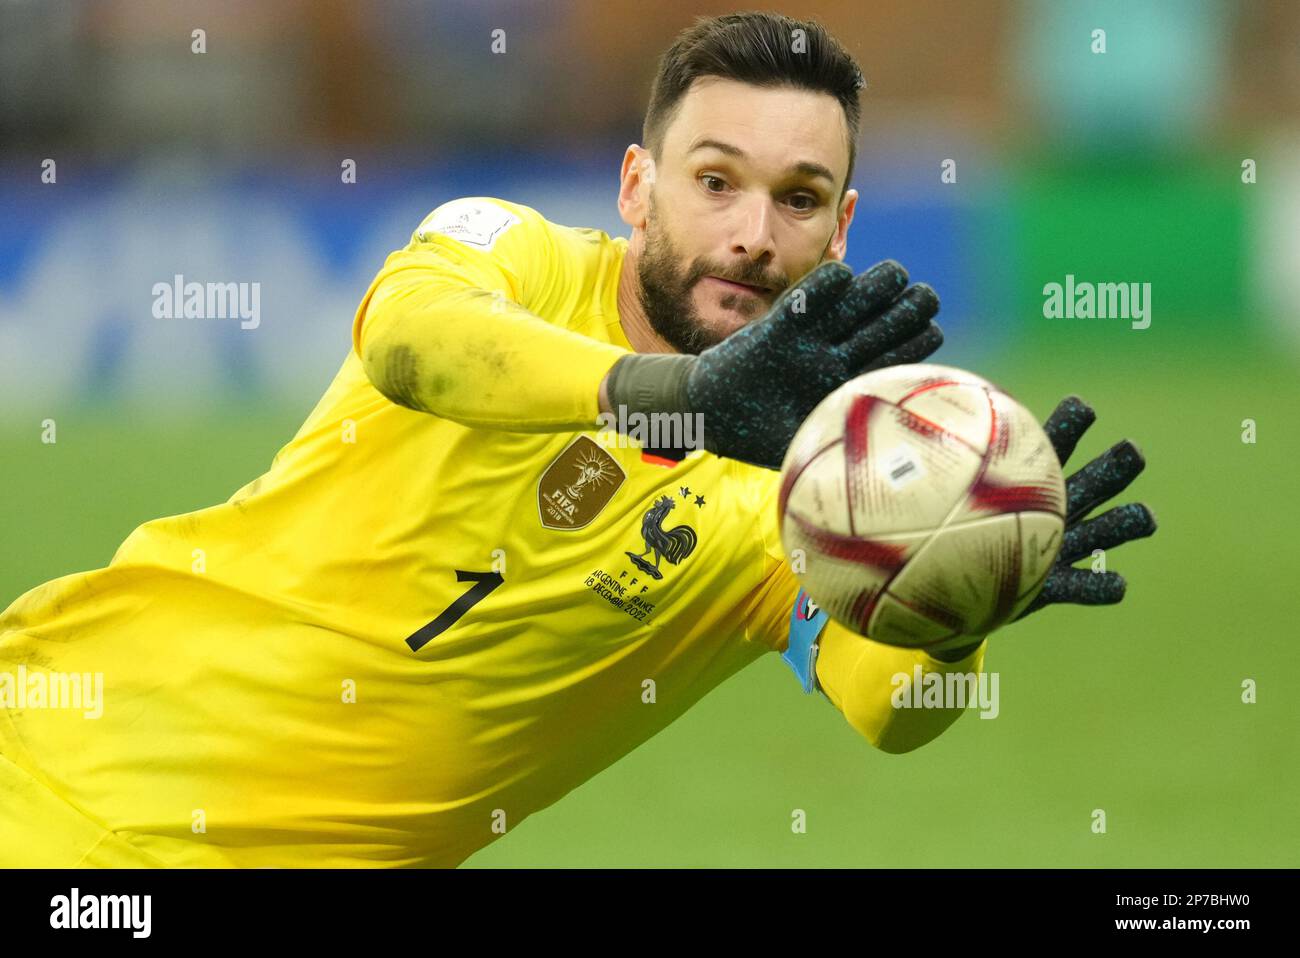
point(450, 600)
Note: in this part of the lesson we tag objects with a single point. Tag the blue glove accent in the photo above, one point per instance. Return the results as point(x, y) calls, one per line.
point(806, 624)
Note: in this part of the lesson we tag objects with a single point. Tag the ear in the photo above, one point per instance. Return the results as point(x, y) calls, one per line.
point(637, 177)
point(839, 244)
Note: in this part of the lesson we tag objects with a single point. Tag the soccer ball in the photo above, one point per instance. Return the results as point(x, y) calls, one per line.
point(921, 506)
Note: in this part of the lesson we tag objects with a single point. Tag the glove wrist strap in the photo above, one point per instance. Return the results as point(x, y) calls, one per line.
point(651, 382)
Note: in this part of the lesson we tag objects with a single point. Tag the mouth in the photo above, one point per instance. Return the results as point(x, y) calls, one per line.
point(733, 286)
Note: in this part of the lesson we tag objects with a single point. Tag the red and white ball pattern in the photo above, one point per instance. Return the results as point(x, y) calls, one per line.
point(928, 505)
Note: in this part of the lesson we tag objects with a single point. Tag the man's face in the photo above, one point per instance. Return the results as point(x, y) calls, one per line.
point(744, 201)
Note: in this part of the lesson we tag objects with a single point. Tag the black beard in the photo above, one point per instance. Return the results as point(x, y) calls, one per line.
point(666, 296)
point(666, 290)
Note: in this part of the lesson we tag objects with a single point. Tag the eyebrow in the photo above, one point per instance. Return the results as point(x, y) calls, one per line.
point(803, 167)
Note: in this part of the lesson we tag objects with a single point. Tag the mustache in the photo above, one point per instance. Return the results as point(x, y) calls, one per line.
point(747, 277)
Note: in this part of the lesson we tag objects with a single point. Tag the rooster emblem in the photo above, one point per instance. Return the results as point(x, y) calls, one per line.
point(673, 544)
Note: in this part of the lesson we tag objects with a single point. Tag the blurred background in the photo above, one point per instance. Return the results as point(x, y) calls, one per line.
point(1171, 158)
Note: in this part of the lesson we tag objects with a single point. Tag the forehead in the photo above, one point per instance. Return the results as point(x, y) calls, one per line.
point(772, 125)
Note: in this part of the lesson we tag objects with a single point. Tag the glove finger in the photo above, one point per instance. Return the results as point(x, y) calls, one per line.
point(866, 296)
point(913, 351)
point(1112, 528)
point(1079, 587)
point(1067, 423)
point(805, 304)
point(1105, 477)
point(907, 318)
point(1082, 587)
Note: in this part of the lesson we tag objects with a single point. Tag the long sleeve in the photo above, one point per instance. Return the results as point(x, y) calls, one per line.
point(860, 678)
point(472, 325)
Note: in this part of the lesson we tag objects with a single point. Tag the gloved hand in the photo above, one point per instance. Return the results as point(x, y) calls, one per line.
point(756, 387)
point(1102, 479)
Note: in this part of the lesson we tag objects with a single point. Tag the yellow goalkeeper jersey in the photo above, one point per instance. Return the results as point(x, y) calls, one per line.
point(416, 628)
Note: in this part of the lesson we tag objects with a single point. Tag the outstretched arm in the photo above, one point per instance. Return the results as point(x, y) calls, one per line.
point(469, 322)
point(448, 329)
point(872, 685)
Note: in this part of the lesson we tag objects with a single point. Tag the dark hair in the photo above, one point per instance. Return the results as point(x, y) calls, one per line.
point(759, 48)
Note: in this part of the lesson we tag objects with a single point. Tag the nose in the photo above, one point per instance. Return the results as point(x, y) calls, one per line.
point(753, 237)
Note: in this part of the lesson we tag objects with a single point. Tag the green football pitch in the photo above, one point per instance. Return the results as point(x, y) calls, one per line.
point(1136, 710)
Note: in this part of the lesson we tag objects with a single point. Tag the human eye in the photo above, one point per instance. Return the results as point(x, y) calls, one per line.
point(706, 178)
point(812, 202)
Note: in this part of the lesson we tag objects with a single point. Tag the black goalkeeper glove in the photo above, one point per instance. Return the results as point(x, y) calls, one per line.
point(1104, 478)
point(756, 387)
